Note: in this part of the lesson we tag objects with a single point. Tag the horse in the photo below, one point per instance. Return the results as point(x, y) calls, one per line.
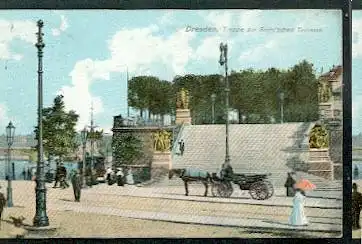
point(189, 175)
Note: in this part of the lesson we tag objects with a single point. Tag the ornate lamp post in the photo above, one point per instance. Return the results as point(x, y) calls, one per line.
point(224, 62)
point(41, 218)
point(84, 141)
point(281, 97)
point(10, 133)
point(213, 98)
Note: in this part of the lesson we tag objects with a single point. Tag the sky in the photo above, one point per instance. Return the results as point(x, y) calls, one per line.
point(356, 72)
point(87, 53)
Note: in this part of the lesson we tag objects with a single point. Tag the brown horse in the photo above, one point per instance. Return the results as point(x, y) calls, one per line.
point(200, 176)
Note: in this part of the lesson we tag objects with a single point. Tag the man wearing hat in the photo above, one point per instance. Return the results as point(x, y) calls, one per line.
point(77, 184)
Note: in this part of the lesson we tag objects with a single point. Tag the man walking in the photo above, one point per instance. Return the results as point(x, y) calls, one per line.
point(57, 176)
point(77, 185)
point(289, 185)
point(356, 207)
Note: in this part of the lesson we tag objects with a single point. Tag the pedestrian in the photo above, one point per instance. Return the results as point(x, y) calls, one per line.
point(77, 185)
point(120, 176)
point(63, 175)
point(129, 177)
point(356, 207)
point(57, 176)
point(108, 172)
point(355, 172)
point(289, 185)
point(297, 217)
point(182, 147)
point(29, 174)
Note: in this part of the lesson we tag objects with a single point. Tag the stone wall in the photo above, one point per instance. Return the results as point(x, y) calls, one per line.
point(145, 135)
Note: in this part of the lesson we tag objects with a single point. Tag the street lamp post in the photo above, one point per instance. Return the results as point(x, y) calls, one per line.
point(213, 98)
point(10, 132)
point(281, 96)
point(224, 62)
point(41, 218)
point(84, 141)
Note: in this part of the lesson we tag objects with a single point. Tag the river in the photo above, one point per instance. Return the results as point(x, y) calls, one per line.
point(21, 165)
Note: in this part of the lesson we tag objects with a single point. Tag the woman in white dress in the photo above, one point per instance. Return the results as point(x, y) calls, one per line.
point(129, 177)
point(297, 217)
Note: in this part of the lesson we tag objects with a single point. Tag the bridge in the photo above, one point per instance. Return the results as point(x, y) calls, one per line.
point(17, 153)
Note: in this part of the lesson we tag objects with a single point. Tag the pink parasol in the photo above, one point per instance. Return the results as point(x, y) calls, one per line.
point(305, 185)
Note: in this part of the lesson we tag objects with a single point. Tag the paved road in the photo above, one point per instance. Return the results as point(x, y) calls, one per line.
point(169, 204)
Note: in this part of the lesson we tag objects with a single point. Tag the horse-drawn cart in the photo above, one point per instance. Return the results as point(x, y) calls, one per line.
point(259, 188)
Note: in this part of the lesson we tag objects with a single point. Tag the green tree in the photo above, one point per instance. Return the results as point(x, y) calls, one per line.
point(59, 134)
point(127, 148)
point(301, 86)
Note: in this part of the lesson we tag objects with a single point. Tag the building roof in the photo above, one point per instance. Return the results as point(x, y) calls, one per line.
point(334, 73)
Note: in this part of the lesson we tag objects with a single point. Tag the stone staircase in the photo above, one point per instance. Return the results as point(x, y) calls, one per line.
point(254, 149)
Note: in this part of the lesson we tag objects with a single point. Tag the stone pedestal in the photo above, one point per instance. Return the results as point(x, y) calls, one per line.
point(161, 164)
point(320, 164)
point(183, 116)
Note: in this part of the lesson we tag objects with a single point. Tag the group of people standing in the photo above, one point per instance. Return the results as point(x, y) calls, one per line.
point(118, 175)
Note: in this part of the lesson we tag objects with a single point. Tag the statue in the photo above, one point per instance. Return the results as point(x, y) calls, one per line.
point(324, 91)
point(162, 141)
point(319, 137)
point(182, 101)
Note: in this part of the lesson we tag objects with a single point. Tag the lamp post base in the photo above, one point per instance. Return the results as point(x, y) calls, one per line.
point(9, 197)
point(41, 218)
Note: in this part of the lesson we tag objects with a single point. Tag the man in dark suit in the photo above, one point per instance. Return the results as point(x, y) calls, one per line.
point(356, 207)
point(77, 185)
point(182, 147)
point(289, 184)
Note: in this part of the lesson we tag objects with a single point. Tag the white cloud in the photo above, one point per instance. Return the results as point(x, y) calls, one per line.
point(11, 30)
point(280, 41)
point(63, 26)
point(209, 47)
point(357, 38)
point(136, 48)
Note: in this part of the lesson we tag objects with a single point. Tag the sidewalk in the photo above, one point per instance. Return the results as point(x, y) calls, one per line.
point(253, 223)
point(196, 194)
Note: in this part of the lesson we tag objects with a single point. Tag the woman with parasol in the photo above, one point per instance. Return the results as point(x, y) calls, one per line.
point(297, 217)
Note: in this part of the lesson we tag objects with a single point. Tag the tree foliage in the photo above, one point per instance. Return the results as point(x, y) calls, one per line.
point(59, 134)
point(126, 147)
point(253, 93)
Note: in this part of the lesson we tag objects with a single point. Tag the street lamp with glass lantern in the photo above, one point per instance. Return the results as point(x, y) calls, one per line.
point(213, 98)
point(281, 97)
point(10, 134)
point(84, 134)
point(224, 62)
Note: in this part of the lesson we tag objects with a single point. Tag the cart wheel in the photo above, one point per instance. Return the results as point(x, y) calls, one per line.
point(259, 191)
point(270, 188)
point(225, 189)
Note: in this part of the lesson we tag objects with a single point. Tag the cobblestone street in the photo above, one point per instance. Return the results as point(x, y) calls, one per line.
point(151, 212)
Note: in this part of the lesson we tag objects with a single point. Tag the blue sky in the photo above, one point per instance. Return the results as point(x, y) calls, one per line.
point(87, 53)
point(357, 72)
